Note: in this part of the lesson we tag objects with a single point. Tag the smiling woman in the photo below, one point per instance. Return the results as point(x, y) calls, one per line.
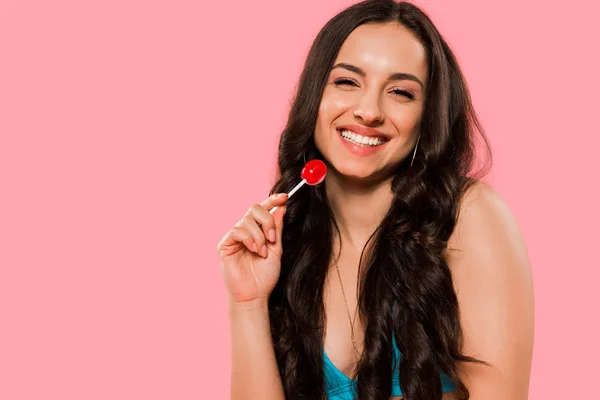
point(379, 74)
point(403, 275)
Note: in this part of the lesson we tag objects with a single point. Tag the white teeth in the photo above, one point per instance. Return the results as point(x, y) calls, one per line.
point(361, 140)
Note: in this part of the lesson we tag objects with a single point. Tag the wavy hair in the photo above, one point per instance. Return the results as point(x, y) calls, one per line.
point(406, 262)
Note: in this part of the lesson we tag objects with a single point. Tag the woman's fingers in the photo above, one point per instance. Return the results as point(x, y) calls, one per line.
point(256, 228)
point(229, 244)
point(264, 218)
point(278, 218)
point(276, 199)
point(280, 201)
point(260, 216)
point(250, 225)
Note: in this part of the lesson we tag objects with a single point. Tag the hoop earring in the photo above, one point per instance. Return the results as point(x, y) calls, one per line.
point(415, 151)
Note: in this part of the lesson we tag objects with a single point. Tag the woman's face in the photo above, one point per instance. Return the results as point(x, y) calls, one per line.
point(373, 101)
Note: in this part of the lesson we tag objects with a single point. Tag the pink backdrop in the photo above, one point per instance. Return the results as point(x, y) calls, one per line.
point(135, 133)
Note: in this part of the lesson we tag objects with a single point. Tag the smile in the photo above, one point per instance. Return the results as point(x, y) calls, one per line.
point(362, 145)
point(360, 140)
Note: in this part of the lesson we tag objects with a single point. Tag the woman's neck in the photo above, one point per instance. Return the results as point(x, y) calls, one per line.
point(358, 206)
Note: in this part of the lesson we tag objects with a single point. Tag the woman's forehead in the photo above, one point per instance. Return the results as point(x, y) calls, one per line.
point(384, 49)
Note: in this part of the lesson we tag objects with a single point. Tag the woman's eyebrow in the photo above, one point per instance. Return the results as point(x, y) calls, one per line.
point(397, 76)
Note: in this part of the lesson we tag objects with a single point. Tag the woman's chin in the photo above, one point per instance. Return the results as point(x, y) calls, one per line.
point(356, 173)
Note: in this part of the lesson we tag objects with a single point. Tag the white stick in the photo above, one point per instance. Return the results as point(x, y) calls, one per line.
point(294, 190)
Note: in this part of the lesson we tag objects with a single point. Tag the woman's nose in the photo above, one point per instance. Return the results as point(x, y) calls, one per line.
point(369, 111)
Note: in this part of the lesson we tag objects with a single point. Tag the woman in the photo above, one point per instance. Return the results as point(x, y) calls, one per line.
point(353, 288)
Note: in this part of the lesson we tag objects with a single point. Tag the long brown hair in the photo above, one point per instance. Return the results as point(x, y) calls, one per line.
point(407, 265)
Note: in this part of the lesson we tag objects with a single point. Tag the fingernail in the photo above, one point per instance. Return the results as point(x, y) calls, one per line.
point(281, 195)
point(263, 251)
point(272, 235)
point(254, 247)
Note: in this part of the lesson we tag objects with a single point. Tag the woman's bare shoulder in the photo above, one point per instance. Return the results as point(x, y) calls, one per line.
point(492, 278)
point(482, 211)
point(487, 240)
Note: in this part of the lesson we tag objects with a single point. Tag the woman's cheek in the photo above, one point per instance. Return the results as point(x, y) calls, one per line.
point(404, 118)
point(335, 104)
point(342, 97)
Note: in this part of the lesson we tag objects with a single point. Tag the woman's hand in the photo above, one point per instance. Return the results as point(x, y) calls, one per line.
point(250, 252)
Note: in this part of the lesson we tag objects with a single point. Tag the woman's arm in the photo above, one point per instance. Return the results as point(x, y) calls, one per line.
point(254, 372)
point(250, 256)
point(493, 282)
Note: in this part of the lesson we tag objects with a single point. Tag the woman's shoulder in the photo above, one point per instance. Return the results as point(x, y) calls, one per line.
point(477, 193)
point(486, 252)
point(484, 217)
point(492, 278)
point(482, 208)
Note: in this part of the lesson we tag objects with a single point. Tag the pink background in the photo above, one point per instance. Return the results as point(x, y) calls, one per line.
point(135, 133)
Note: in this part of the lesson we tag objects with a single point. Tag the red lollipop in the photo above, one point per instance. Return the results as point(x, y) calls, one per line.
point(312, 173)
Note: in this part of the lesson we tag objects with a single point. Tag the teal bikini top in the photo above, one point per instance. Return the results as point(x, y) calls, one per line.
point(340, 387)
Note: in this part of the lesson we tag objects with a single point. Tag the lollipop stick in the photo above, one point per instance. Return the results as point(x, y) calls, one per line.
point(294, 190)
point(298, 186)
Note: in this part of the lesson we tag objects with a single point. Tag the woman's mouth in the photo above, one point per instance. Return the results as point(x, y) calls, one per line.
point(362, 146)
point(361, 140)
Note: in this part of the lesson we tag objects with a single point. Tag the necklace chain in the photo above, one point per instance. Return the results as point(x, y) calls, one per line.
point(352, 337)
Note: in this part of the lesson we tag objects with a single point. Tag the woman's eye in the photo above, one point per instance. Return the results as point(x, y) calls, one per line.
point(344, 81)
point(406, 93)
point(397, 92)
